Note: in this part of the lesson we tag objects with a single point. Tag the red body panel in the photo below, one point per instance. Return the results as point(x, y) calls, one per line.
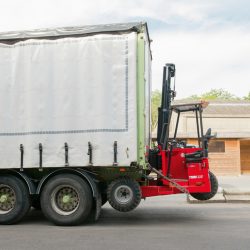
point(194, 176)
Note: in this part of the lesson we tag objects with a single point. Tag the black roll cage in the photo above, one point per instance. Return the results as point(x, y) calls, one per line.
point(196, 107)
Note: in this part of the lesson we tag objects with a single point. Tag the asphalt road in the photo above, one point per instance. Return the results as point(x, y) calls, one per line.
point(158, 223)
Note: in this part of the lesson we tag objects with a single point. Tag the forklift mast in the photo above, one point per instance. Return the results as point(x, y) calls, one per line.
point(164, 110)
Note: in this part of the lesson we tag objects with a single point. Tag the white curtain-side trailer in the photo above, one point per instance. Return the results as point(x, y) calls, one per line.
point(73, 87)
point(73, 102)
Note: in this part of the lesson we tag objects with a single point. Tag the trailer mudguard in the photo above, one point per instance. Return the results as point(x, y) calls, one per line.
point(21, 175)
point(89, 177)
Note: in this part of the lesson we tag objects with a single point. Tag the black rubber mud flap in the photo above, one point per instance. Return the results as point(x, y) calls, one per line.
point(96, 209)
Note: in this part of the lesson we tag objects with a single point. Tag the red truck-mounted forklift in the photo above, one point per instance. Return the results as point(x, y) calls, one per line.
point(179, 167)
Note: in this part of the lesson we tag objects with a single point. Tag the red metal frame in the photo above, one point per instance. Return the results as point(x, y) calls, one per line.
point(194, 176)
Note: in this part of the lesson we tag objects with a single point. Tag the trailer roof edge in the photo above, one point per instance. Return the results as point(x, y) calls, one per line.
point(53, 33)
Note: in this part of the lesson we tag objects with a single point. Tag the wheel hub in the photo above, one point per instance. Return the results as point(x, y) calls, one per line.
point(3, 198)
point(65, 200)
point(123, 194)
point(7, 199)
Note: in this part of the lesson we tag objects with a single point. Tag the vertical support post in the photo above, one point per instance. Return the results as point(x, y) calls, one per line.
point(166, 138)
point(177, 124)
point(201, 124)
point(115, 154)
point(22, 153)
point(161, 125)
point(66, 147)
point(140, 92)
point(198, 128)
point(90, 153)
point(169, 159)
point(40, 156)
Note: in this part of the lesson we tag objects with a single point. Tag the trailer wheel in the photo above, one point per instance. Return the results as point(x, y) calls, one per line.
point(214, 189)
point(124, 194)
point(66, 200)
point(14, 199)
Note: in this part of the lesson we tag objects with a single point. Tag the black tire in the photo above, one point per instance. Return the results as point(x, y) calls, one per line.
point(214, 189)
point(15, 199)
point(124, 194)
point(76, 207)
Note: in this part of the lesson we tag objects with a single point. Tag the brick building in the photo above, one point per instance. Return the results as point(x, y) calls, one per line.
point(230, 151)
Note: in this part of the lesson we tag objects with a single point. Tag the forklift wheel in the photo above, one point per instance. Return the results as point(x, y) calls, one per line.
point(214, 188)
point(124, 194)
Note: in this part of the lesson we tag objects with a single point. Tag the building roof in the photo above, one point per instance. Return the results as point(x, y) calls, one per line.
point(228, 108)
point(225, 108)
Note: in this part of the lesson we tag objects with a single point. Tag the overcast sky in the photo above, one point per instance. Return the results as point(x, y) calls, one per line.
point(209, 41)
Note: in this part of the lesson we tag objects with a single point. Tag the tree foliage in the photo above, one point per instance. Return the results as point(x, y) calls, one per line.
point(247, 97)
point(155, 103)
point(215, 94)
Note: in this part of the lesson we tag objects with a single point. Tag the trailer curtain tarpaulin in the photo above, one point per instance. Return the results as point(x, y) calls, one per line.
point(74, 90)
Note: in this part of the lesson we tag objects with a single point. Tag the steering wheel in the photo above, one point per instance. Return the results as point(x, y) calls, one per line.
point(208, 133)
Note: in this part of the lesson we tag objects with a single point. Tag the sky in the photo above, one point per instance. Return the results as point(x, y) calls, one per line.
point(209, 41)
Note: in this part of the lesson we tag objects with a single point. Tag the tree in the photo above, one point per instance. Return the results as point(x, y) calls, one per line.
point(215, 94)
point(155, 103)
point(247, 98)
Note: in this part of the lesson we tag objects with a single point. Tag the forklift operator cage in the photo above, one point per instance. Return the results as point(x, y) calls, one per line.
point(71, 92)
